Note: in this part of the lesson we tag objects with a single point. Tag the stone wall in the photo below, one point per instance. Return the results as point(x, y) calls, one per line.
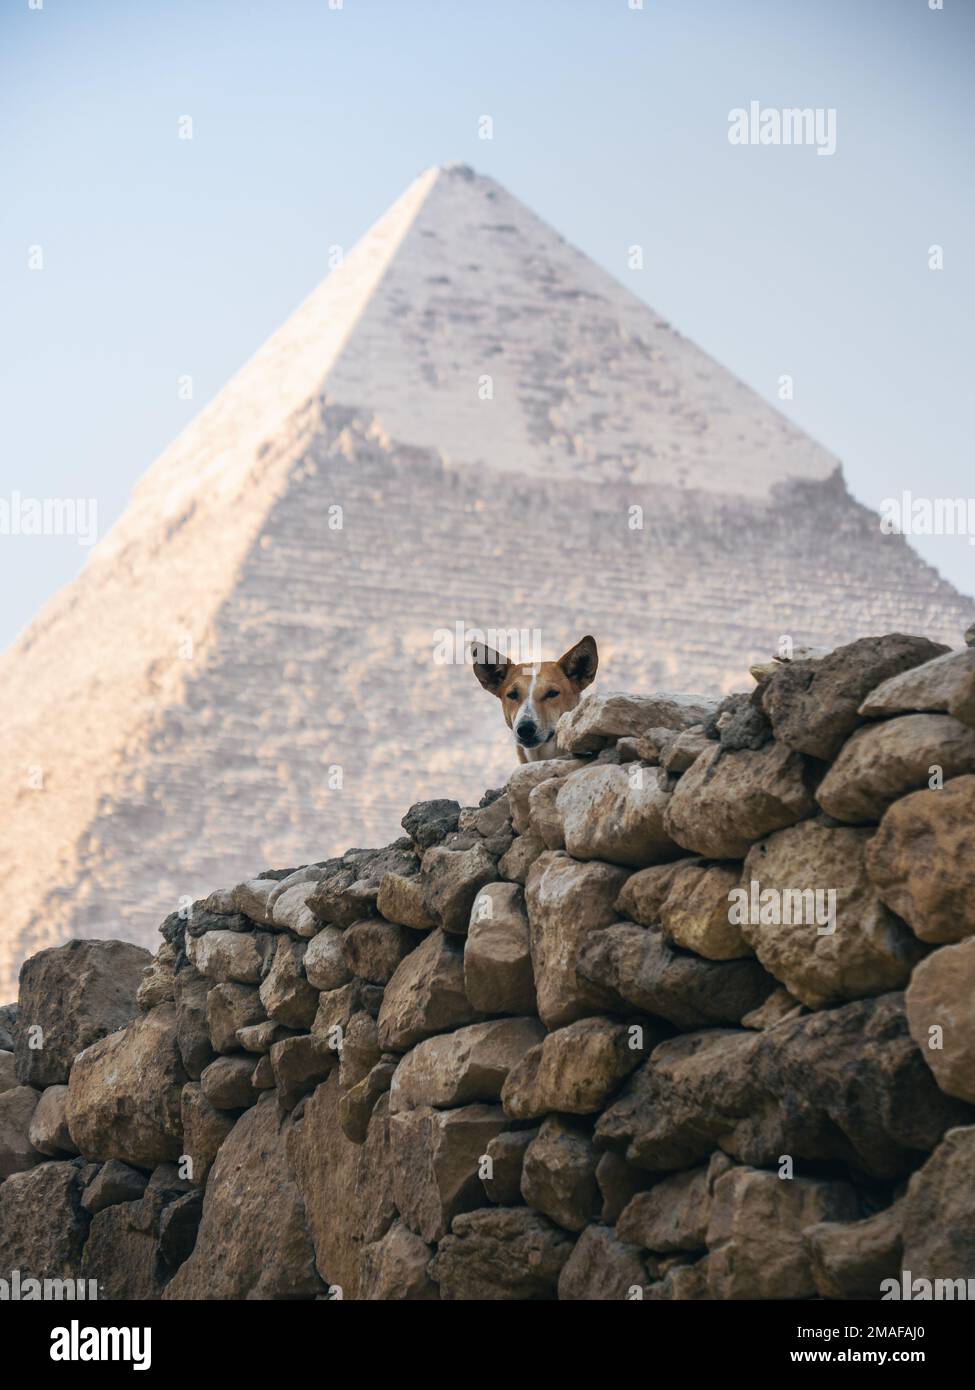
point(685, 1013)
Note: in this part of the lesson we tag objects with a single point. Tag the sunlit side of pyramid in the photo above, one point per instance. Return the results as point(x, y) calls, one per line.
point(177, 713)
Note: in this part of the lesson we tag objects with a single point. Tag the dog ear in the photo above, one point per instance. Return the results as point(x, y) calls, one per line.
point(490, 667)
point(580, 662)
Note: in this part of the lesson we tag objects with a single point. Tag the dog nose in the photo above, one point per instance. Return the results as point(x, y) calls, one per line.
point(526, 731)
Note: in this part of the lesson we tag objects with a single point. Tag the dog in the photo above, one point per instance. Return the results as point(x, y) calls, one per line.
point(533, 697)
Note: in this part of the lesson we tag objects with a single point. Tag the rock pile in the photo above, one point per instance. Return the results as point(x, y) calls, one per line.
point(684, 1013)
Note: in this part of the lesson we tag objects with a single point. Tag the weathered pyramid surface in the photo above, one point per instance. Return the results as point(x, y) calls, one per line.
point(236, 677)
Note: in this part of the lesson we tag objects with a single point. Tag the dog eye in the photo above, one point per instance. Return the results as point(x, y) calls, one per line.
point(513, 695)
point(550, 695)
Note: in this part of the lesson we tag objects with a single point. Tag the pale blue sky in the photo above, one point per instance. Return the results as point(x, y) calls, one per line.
point(164, 257)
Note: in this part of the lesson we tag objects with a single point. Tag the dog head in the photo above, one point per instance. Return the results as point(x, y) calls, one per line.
point(533, 697)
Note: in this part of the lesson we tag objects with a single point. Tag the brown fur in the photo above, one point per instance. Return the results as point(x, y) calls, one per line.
point(536, 696)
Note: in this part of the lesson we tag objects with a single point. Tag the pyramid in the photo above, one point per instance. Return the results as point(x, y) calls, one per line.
point(459, 428)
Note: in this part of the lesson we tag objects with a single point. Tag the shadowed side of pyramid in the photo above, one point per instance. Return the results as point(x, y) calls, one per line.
point(230, 647)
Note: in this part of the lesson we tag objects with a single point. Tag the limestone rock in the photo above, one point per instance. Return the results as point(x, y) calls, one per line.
point(254, 1241)
point(677, 1278)
point(834, 940)
point(346, 1187)
point(814, 705)
point(846, 1084)
point(74, 994)
point(740, 722)
point(779, 1006)
point(158, 979)
point(544, 819)
point(261, 1037)
point(252, 899)
point(524, 850)
point(426, 994)
point(226, 1083)
point(436, 1157)
point(336, 1007)
point(506, 1152)
point(360, 1049)
point(343, 896)
point(689, 900)
point(192, 1029)
point(429, 822)
point(491, 820)
point(755, 1232)
point(497, 955)
point(290, 910)
point(229, 955)
point(726, 801)
point(567, 901)
point(286, 994)
point(8, 1072)
point(42, 1224)
point(941, 1015)
point(115, 1182)
point(49, 1124)
point(451, 881)
point(348, 891)
point(648, 747)
point(263, 1078)
point(204, 1130)
point(299, 1064)
point(939, 1216)
point(526, 778)
point(470, 1064)
point(884, 761)
point(498, 1254)
point(602, 1267)
point(673, 1215)
point(573, 1070)
point(930, 688)
point(394, 1268)
point(400, 900)
point(684, 748)
point(179, 1223)
point(374, 948)
point(324, 960)
point(559, 1176)
point(922, 860)
point(850, 1259)
point(638, 966)
point(229, 1008)
point(124, 1093)
point(17, 1153)
point(8, 1026)
point(619, 1182)
point(616, 814)
point(220, 903)
point(600, 718)
point(358, 1103)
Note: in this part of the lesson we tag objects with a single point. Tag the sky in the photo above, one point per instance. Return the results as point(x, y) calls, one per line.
point(132, 259)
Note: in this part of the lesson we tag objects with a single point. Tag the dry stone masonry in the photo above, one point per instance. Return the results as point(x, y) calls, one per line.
point(685, 1013)
point(368, 491)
